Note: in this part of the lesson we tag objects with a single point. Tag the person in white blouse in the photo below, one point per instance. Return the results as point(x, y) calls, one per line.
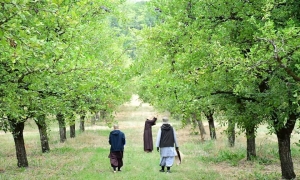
point(165, 142)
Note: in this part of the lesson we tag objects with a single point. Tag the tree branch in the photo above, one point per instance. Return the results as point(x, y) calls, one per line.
point(279, 61)
point(231, 94)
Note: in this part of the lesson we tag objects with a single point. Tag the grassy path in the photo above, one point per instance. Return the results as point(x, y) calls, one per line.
point(85, 157)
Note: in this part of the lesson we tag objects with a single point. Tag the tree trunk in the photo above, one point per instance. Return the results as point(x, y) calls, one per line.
point(72, 131)
point(62, 127)
point(200, 126)
point(42, 126)
point(231, 133)
point(287, 168)
point(250, 135)
point(82, 117)
point(284, 145)
point(212, 129)
point(17, 132)
point(93, 119)
point(72, 126)
point(103, 114)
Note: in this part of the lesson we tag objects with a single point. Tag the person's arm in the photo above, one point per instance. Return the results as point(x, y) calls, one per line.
point(154, 120)
point(158, 137)
point(123, 139)
point(109, 139)
point(175, 138)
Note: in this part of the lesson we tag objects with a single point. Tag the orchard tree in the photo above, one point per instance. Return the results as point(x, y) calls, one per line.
point(245, 50)
point(42, 45)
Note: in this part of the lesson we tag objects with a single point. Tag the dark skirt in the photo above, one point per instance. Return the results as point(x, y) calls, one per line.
point(116, 158)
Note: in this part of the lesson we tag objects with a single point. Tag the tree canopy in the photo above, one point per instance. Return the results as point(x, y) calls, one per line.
point(240, 57)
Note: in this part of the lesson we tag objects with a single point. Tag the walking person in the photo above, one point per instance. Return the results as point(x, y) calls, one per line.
point(148, 140)
point(117, 142)
point(166, 139)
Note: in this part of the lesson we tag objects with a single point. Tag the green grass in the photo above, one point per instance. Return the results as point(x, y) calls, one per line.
point(230, 156)
point(86, 156)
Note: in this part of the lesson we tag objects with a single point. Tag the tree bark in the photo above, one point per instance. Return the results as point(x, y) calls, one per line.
point(72, 126)
point(42, 126)
point(287, 167)
point(62, 127)
point(93, 119)
point(284, 145)
point(81, 126)
point(72, 131)
point(17, 131)
point(251, 149)
point(103, 114)
point(212, 129)
point(200, 126)
point(231, 133)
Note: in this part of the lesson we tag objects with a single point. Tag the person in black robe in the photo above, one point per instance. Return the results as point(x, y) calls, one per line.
point(117, 142)
point(148, 141)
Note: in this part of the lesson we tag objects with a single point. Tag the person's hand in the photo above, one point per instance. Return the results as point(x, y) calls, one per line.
point(157, 149)
point(177, 148)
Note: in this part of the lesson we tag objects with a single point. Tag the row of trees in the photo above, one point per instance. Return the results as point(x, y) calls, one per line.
point(66, 58)
point(235, 58)
point(59, 58)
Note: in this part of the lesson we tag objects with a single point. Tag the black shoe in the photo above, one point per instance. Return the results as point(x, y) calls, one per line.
point(168, 171)
point(161, 170)
point(119, 170)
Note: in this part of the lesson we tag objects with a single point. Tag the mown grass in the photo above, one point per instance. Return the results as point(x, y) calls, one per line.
point(86, 156)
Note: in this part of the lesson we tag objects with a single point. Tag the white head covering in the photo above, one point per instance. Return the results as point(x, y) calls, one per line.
point(165, 120)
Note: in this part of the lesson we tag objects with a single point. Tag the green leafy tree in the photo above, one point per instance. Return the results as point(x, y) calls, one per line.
point(216, 51)
point(43, 44)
